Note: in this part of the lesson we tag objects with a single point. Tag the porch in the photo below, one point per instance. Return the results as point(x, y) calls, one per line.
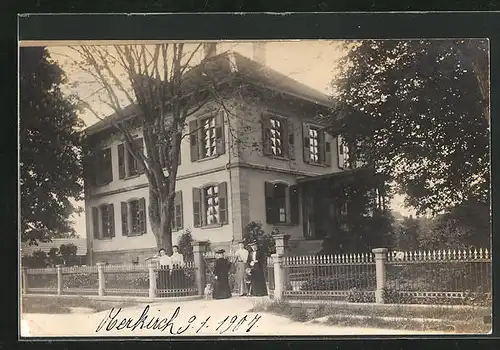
point(341, 206)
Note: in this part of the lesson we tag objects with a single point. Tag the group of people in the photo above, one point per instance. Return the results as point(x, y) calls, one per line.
point(249, 272)
point(170, 274)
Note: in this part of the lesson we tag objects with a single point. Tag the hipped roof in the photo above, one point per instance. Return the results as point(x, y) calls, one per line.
point(247, 70)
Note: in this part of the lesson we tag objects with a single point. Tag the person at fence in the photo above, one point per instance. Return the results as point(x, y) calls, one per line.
point(258, 282)
point(177, 276)
point(241, 265)
point(176, 258)
point(221, 275)
point(164, 263)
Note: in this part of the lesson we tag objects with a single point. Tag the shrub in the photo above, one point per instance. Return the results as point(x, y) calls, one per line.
point(67, 252)
point(81, 280)
point(338, 282)
point(185, 244)
point(254, 231)
point(360, 296)
point(392, 296)
point(38, 259)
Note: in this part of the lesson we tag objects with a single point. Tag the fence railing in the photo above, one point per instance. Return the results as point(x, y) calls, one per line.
point(118, 280)
point(436, 277)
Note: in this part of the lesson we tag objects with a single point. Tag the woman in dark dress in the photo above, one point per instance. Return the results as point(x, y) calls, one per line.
point(258, 280)
point(221, 272)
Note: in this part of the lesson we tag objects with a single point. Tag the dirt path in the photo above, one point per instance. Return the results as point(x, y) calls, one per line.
point(191, 319)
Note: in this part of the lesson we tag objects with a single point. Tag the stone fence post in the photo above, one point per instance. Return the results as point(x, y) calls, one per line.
point(59, 279)
point(100, 276)
point(279, 276)
point(283, 250)
point(152, 278)
point(380, 260)
point(199, 248)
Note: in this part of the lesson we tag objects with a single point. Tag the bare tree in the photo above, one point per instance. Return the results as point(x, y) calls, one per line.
point(158, 82)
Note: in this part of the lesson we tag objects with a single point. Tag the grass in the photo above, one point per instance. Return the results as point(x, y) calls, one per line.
point(437, 318)
point(53, 305)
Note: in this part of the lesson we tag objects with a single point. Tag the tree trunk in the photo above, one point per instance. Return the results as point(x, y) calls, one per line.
point(160, 218)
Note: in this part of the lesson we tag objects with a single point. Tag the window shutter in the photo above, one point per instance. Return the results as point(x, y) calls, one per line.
point(142, 209)
point(340, 152)
point(95, 222)
point(294, 204)
point(124, 218)
point(328, 154)
point(109, 166)
point(179, 220)
point(223, 203)
point(269, 197)
point(307, 151)
point(322, 150)
point(291, 139)
point(197, 212)
point(121, 161)
point(193, 139)
point(140, 165)
point(111, 210)
point(219, 133)
point(266, 135)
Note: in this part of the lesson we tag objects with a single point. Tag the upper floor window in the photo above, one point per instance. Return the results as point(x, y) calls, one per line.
point(133, 217)
point(278, 136)
point(128, 165)
point(210, 205)
point(102, 169)
point(317, 150)
point(103, 221)
point(282, 203)
point(206, 137)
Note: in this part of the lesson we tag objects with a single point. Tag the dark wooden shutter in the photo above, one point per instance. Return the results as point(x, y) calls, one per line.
point(193, 139)
point(223, 203)
point(124, 207)
point(95, 222)
point(197, 208)
point(111, 215)
point(291, 139)
point(140, 165)
point(178, 210)
point(294, 205)
point(321, 146)
point(266, 135)
point(109, 165)
point(328, 153)
point(219, 133)
point(305, 135)
point(142, 217)
point(121, 161)
point(270, 207)
point(89, 170)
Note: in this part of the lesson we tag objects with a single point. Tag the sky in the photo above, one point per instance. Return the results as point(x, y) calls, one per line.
point(311, 62)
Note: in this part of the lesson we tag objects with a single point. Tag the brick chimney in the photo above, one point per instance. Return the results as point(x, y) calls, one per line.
point(259, 52)
point(209, 49)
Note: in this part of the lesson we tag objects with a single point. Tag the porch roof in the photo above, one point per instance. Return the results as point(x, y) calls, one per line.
point(350, 173)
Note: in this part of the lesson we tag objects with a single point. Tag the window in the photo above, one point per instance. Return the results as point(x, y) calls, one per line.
point(177, 220)
point(210, 205)
point(278, 137)
point(343, 151)
point(282, 203)
point(316, 149)
point(103, 221)
point(206, 137)
point(133, 217)
point(127, 164)
point(103, 169)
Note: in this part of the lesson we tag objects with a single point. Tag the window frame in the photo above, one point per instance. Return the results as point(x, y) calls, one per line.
point(203, 220)
point(324, 145)
point(288, 204)
point(129, 159)
point(130, 232)
point(100, 221)
point(99, 178)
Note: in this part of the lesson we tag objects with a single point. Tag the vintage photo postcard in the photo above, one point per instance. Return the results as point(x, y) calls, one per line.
point(254, 188)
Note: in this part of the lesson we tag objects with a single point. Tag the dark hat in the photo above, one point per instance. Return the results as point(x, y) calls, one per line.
point(253, 242)
point(241, 241)
point(220, 251)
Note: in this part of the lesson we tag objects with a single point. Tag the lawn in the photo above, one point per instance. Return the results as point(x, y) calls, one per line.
point(54, 305)
point(401, 317)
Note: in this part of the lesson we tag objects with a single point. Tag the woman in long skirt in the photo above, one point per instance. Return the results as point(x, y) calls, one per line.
point(241, 266)
point(221, 272)
point(258, 280)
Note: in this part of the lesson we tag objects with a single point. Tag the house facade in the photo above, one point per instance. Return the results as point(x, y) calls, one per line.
point(240, 163)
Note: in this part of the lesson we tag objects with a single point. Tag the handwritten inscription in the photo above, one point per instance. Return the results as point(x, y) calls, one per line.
point(174, 326)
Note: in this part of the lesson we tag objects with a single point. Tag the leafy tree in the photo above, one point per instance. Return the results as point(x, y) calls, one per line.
point(50, 164)
point(185, 244)
point(68, 254)
point(418, 110)
point(38, 259)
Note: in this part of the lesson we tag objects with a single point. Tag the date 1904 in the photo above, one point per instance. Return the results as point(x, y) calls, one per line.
point(174, 326)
